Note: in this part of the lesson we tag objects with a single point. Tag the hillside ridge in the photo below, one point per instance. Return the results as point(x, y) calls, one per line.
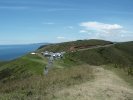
point(103, 67)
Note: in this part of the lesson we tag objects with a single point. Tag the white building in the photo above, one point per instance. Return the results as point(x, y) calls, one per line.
point(32, 53)
point(55, 55)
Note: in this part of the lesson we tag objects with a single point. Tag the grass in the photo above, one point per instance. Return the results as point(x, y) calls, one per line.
point(2, 63)
point(23, 67)
point(43, 87)
point(67, 45)
point(23, 78)
point(106, 86)
point(121, 73)
point(120, 55)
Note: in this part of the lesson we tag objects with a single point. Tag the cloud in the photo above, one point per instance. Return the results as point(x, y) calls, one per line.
point(65, 39)
point(61, 9)
point(69, 27)
point(98, 30)
point(14, 7)
point(60, 37)
point(83, 31)
point(49, 23)
point(101, 27)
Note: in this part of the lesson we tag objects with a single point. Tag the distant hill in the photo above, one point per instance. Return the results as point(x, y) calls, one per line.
point(76, 44)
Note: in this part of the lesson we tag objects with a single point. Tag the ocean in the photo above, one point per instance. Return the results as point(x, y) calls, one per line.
point(10, 52)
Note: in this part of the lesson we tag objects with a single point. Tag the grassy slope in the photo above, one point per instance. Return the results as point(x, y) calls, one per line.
point(22, 67)
point(2, 63)
point(119, 54)
point(44, 87)
point(28, 70)
point(106, 86)
point(16, 75)
point(66, 46)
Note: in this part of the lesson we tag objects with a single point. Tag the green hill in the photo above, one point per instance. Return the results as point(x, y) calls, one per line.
point(118, 55)
point(23, 78)
point(67, 45)
point(22, 67)
point(2, 63)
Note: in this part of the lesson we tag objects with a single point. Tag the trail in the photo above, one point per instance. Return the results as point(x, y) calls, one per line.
point(95, 47)
point(106, 86)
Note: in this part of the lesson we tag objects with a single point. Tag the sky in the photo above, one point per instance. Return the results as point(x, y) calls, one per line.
point(37, 21)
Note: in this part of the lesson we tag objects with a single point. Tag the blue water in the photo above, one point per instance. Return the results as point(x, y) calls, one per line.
point(10, 52)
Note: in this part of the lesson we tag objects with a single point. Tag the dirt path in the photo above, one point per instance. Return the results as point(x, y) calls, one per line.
point(95, 47)
point(106, 86)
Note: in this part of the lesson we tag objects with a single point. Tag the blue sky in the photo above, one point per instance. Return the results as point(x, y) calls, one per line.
point(35, 21)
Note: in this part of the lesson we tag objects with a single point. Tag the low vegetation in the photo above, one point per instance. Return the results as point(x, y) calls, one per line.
point(23, 78)
point(21, 68)
point(119, 55)
point(67, 45)
point(43, 87)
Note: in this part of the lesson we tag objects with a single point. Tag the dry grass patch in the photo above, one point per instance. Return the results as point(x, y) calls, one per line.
point(44, 87)
point(106, 86)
